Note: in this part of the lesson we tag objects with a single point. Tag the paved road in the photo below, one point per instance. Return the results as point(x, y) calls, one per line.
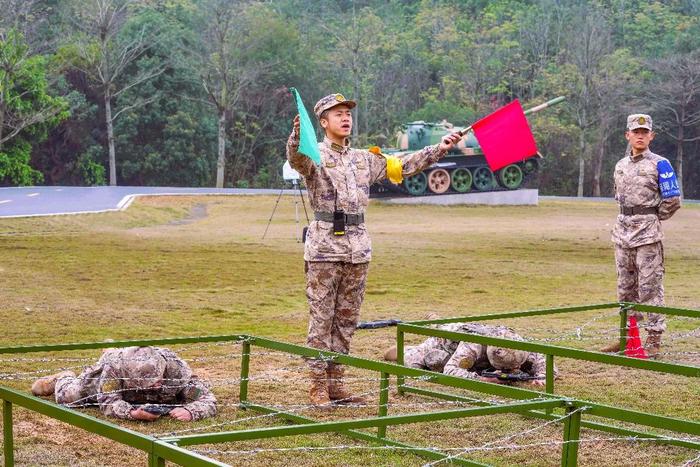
point(54, 200)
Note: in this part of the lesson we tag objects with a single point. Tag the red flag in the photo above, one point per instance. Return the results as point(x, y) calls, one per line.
point(634, 346)
point(505, 136)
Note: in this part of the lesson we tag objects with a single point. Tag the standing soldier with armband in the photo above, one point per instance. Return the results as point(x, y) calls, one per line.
point(338, 248)
point(647, 192)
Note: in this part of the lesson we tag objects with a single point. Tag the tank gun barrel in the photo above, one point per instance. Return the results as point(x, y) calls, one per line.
point(534, 109)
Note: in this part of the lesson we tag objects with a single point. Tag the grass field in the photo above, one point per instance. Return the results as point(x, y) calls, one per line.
point(181, 266)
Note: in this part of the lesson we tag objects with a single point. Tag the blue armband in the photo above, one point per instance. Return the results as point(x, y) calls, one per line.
point(668, 184)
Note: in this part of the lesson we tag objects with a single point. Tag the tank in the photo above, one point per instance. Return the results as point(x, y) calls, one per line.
point(463, 169)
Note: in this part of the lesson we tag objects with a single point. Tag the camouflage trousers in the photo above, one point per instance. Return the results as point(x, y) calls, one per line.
point(640, 275)
point(335, 291)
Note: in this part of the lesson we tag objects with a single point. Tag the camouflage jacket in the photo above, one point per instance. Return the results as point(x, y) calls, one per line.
point(475, 353)
point(342, 180)
point(637, 185)
point(535, 365)
point(118, 390)
point(450, 346)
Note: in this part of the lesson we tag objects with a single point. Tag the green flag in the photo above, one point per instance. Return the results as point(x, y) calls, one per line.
point(308, 145)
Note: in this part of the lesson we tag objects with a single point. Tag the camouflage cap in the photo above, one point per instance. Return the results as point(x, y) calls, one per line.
point(143, 366)
point(331, 101)
point(635, 121)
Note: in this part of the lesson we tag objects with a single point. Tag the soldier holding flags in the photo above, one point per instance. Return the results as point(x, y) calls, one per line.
point(338, 248)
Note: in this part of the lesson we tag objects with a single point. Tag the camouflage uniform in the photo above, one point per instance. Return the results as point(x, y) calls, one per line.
point(639, 253)
point(449, 357)
point(337, 265)
point(123, 377)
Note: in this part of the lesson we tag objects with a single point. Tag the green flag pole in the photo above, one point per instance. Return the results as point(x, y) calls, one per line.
point(308, 145)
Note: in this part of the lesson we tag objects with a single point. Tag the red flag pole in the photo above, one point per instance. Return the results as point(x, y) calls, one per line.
point(534, 109)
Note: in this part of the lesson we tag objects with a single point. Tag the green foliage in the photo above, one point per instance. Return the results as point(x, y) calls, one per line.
point(436, 108)
point(91, 172)
point(27, 109)
point(429, 60)
point(15, 168)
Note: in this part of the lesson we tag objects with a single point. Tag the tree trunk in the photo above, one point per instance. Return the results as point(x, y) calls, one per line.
point(2, 122)
point(356, 98)
point(581, 163)
point(679, 153)
point(598, 162)
point(110, 140)
point(221, 161)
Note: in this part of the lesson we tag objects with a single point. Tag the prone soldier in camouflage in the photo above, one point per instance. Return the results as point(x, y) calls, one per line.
point(125, 378)
point(647, 192)
point(468, 359)
point(337, 261)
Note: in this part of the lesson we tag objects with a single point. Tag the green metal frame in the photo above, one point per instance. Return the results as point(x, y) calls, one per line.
point(550, 351)
point(525, 402)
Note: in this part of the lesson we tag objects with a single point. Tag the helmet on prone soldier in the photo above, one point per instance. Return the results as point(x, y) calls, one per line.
point(506, 359)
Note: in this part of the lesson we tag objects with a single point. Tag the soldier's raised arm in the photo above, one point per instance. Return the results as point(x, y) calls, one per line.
point(297, 160)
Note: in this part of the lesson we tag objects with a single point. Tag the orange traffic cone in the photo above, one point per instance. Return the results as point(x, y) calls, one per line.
point(634, 346)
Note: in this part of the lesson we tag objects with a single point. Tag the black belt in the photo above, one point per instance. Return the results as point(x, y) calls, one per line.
point(350, 219)
point(625, 211)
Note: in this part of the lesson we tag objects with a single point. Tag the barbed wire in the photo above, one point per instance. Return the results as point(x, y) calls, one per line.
point(504, 439)
point(695, 460)
point(271, 376)
point(285, 407)
point(602, 335)
point(258, 417)
point(464, 449)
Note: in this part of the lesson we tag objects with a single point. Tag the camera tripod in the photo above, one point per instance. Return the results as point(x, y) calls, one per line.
point(298, 231)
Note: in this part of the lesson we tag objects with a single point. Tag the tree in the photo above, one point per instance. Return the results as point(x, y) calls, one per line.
point(27, 109)
point(238, 45)
point(355, 40)
point(586, 51)
point(676, 93)
point(104, 53)
point(617, 81)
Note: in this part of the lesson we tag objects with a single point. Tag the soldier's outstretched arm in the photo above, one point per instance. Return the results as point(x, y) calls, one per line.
point(414, 162)
point(297, 160)
point(198, 399)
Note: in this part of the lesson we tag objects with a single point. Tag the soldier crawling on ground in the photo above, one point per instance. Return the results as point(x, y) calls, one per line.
point(134, 383)
point(471, 360)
